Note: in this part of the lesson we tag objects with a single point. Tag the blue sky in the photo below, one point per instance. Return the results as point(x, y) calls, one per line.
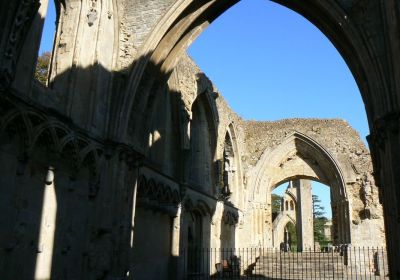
point(46, 43)
point(270, 63)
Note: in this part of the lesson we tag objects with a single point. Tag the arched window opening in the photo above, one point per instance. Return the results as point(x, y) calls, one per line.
point(229, 168)
point(202, 139)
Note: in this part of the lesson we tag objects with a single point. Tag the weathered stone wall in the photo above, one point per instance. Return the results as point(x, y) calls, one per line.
point(70, 201)
point(334, 134)
point(255, 139)
point(68, 176)
point(237, 221)
point(152, 243)
point(137, 19)
point(191, 82)
point(347, 149)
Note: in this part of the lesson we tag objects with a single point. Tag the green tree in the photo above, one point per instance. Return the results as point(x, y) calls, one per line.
point(319, 221)
point(42, 67)
point(318, 209)
point(276, 203)
point(291, 228)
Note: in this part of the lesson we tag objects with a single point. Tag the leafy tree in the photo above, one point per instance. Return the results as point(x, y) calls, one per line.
point(276, 203)
point(318, 209)
point(42, 67)
point(293, 235)
point(319, 221)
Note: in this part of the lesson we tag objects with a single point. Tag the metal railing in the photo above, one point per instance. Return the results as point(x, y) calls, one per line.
point(339, 262)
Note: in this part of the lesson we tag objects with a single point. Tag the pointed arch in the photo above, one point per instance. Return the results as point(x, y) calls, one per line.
point(186, 19)
point(301, 157)
point(203, 135)
point(298, 157)
point(279, 225)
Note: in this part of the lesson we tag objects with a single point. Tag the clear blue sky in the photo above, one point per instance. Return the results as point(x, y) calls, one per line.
point(46, 43)
point(270, 63)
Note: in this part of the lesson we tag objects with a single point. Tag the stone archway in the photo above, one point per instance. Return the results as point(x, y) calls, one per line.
point(300, 157)
point(186, 19)
point(279, 227)
point(365, 33)
point(342, 22)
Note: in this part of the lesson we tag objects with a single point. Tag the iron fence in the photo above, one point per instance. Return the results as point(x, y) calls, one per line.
point(340, 262)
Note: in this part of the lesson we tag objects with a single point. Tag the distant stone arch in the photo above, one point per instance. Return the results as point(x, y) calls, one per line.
point(300, 157)
point(279, 227)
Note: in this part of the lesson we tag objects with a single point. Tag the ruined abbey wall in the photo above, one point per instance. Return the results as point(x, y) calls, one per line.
point(130, 146)
point(255, 141)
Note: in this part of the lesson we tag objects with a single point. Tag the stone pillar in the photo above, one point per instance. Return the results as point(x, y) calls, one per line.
point(385, 151)
point(347, 222)
point(304, 215)
point(45, 248)
point(134, 162)
point(342, 207)
point(340, 222)
point(83, 61)
point(175, 272)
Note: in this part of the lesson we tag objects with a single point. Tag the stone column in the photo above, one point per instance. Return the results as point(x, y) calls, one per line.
point(340, 222)
point(47, 229)
point(347, 222)
point(83, 61)
point(385, 151)
point(175, 272)
point(304, 215)
point(133, 161)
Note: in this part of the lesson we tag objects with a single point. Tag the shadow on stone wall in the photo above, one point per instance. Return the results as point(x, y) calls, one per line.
point(68, 187)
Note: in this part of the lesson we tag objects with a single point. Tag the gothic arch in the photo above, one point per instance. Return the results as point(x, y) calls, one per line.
point(203, 137)
point(186, 19)
point(298, 151)
point(300, 157)
point(279, 225)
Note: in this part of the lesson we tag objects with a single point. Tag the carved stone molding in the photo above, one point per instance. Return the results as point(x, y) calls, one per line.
point(35, 129)
point(230, 218)
point(24, 14)
point(158, 197)
point(198, 205)
point(384, 127)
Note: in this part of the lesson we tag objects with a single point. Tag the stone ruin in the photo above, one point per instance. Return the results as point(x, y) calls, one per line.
point(130, 154)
